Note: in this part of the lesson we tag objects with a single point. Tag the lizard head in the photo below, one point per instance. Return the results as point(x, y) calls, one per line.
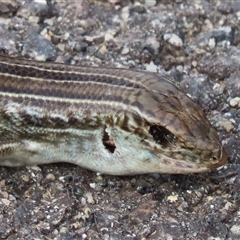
point(169, 133)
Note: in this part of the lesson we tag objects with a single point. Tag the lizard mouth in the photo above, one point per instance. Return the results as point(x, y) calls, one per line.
point(192, 158)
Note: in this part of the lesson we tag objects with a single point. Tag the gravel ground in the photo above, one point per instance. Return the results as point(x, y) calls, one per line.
point(198, 43)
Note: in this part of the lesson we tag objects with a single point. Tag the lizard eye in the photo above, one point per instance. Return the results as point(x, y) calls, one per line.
point(161, 135)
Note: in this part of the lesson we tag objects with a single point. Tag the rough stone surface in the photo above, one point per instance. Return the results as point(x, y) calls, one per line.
point(198, 43)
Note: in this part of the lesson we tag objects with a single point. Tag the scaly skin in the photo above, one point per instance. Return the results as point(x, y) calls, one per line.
point(113, 121)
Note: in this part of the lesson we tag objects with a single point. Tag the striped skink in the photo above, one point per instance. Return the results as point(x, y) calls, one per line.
point(114, 121)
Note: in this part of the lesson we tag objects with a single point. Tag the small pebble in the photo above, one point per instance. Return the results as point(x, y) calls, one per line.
point(125, 51)
point(125, 13)
point(235, 102)
point(92, 185)
point(83, 201)
point(89, 197)
point(173, 39)
point(25, 178)
point(150, 3)
point(151, 67)
point(227, 125)
point(235, 229)
point(212, 43)
point(108, 37)
point(12, 198)
point(172, 198)
point(33, 19)
point(50, 177)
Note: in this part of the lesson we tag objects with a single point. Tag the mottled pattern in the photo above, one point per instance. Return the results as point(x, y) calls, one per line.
point(54, 112)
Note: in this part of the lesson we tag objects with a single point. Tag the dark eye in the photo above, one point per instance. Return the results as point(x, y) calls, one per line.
point(161, 135)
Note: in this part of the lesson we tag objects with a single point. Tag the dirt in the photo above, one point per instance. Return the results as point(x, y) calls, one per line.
point(198, 43)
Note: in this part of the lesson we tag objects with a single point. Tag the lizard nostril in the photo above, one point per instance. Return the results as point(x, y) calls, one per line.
point(213, 159)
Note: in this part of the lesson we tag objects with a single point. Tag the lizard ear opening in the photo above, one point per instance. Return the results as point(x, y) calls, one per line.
point(161, 135)
point(108, 141)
